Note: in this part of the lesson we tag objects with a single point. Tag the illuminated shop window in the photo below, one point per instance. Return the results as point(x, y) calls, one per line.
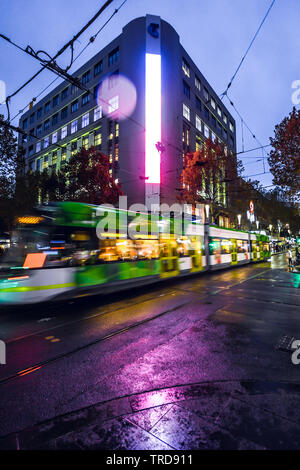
point(98, 138)
point(85, 142)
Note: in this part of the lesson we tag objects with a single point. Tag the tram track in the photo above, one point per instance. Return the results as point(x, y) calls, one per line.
point(42, 364)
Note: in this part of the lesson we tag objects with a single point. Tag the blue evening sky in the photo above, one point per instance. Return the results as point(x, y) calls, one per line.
point(215, 33)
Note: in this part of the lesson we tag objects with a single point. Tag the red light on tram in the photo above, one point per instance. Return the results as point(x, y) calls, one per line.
point(35, 260)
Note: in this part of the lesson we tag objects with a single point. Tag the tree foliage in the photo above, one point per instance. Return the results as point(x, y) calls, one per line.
point(284, 159)
point(206, 175)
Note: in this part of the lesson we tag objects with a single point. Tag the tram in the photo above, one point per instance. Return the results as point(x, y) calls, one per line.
point(65, 250)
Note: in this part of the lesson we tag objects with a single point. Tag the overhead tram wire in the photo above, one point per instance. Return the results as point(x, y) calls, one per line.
point(91, 40)
point(247, 51)
point(51, 64)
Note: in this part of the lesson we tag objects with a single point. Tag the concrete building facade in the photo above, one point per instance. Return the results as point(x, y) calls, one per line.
point(176, 111)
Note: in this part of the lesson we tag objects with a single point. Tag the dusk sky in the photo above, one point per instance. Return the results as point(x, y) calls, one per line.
point(215, 34)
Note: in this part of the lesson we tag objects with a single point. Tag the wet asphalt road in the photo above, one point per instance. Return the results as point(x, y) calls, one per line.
point(213, 327)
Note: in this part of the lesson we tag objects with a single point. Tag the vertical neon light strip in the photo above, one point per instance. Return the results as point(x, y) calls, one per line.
point(153, 117)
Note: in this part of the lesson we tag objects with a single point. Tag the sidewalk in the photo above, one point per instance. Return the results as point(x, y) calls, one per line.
point(219, 415)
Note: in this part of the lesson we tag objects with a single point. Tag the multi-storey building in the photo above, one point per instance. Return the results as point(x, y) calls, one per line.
point(175, 107)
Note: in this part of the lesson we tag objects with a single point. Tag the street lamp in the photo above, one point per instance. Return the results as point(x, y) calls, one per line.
point(257, 224)
point(207, 212)
point(239, 217)
point(270, 228)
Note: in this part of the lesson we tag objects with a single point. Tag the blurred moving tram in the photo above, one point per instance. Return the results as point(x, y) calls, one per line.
point(66, 250)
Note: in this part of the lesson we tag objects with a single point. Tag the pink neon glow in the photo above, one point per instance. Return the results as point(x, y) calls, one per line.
point(152, 117)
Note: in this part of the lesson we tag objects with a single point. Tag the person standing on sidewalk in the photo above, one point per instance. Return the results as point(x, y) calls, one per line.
point(289, 256)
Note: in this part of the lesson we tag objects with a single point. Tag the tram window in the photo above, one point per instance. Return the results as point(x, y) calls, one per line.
point(147, 249)
point(184, 247)
point(108, 251)
point(126, 250)
point(242, 246)
point(226, 247)
point(214, 246)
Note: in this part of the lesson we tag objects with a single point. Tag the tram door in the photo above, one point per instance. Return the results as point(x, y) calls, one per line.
point(261, 250)
point(254, 250)
point(234, 259)
point(168, 257)
point(196, 254)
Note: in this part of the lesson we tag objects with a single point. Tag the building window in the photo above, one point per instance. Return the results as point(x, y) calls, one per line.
point(113, 104)
point(197, 83)
point(198, 123)
point(231, 126)
point(113, 57)
point(54, 119)
point(54, 159)
point(45, 162)
point(186, 90)
point(30, 151)
point(185, 67)
point(55, 100)
point(32, 165)
point(38, 165)
point(98, 138)
point(213, 103)
point(198, 103)
point(205, 94)
point(85, 120)
point(64, 132)
point(113, 79)
point(25, 123)
point(225, 118)
point(74, 126)
point(213, 120)
point(219, 111)
point(85, 142)
point(206, 131)
point(74, 88)
point(97, 113)
point(186, 111)
point(225, 135)
point(74, 147)
point(38, 146)
point(213, 137)
point(54, 137)
point(39, 129)
point(65, 93)
point(206, 112)
point(46, 125)
point(86, 77)
point(219, 127)
point(117, 129)
point(32, 118)
point(85, 99)
point(98, 68)
point(46, 142)
point(39, 113)
point(231, 142)
point(64, 113)
point(74, 106)
point(47, 107)
point(64, 154)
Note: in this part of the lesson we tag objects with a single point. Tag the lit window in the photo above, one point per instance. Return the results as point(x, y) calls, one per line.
point(54, 158)
point(54, 137)
point(206, 131)
point(213, 137)
point(117, 129)
point(45, 162)
point(198, 123)
point(219, 111)
point(197, 83)
point(205, 93)
point(231, 126)
point(97, 113)
point(185, 68)
point(85, 120)
point(85, 142)
point(186, 111)
point(113, 104)
point(64, 132)
point(46, 142)
point(98, 138)
point(213, 103)
point(225, 118)
point(64, 154)
point(38, 146)
point(74, 126)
